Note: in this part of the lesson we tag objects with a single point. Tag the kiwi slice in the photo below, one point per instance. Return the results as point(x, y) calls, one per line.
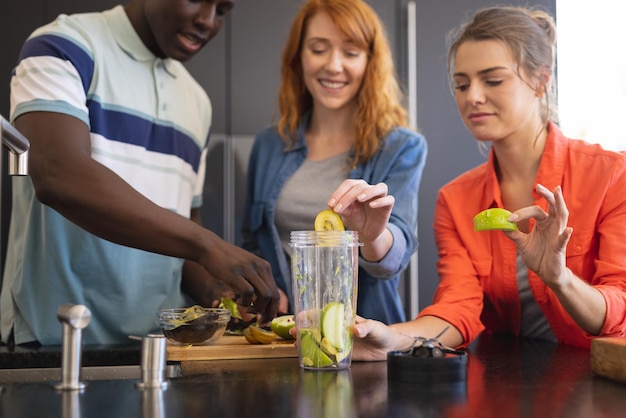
point(328, 220)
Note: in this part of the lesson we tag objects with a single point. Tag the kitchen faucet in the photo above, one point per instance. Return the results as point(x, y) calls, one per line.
point(74, 319)
point(18, 147)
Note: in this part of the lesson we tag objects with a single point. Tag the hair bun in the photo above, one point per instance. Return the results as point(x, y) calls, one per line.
point(546, 23)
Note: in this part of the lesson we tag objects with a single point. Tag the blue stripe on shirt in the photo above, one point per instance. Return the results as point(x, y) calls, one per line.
point(132, 129)
point(62, 48)
point(114, 125)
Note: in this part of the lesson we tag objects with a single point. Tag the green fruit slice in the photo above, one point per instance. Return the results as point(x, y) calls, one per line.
point(339, 356)
point(231, 305)
point(328, 348)
point(334, 327)
point(281, 326)
point(494, 218)
point(312, 354)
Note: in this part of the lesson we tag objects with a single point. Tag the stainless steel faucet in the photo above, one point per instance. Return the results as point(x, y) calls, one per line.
point(74, 319)
point(18, 146)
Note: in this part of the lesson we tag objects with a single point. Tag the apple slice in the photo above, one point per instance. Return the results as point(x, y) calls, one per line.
point(312, 353)
point(333, 325)
point(494, 218)
point(281, 325)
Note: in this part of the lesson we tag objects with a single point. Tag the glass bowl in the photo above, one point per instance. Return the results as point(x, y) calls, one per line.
point(195, 325)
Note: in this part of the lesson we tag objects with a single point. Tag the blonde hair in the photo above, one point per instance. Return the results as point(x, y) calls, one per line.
point(530, 36)
point(379, 103)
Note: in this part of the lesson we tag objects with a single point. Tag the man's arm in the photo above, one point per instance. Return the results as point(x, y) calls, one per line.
point(69, 180)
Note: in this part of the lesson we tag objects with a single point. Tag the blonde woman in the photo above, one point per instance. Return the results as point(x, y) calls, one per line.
point(562, 275)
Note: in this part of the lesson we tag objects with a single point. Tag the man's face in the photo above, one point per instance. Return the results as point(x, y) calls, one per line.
point(180, 28)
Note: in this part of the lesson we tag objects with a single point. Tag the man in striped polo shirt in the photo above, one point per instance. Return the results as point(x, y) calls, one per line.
point(109, 216)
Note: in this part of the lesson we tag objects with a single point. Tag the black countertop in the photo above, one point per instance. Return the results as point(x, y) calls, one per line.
point(21, 357)
point(505, 378)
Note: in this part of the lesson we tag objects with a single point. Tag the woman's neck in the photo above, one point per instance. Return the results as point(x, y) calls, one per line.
point(517, 163)
point(330, 132)
point(519, 158)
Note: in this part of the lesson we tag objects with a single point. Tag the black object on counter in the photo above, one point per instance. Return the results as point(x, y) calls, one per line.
point(427, 361)
point(405, 366)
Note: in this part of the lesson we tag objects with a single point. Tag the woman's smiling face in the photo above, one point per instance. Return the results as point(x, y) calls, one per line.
point(495, 101)
point(332, 65)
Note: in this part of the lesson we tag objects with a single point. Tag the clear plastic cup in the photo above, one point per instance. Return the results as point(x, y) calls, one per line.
point(324, 269)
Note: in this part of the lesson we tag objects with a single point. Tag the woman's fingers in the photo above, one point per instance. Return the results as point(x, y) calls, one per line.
point(527, 213)
point(384, 201)
point(351, 191)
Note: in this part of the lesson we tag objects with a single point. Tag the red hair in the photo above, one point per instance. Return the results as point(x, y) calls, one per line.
point(379, 103)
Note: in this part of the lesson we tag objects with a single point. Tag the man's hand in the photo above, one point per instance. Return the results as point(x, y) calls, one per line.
point(249, 276)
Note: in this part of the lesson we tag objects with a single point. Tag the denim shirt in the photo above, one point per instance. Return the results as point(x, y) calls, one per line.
point(399, 163)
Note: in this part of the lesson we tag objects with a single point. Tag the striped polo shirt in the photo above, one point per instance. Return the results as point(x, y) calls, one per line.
point(149, 122)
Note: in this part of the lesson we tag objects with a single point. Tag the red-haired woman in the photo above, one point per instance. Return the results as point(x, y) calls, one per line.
point(341, 142)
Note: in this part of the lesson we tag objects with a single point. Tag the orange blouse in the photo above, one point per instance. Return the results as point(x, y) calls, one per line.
point(477, 270)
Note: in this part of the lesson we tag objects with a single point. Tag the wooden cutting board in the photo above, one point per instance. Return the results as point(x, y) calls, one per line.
point(231, 347)
point(608, 358)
